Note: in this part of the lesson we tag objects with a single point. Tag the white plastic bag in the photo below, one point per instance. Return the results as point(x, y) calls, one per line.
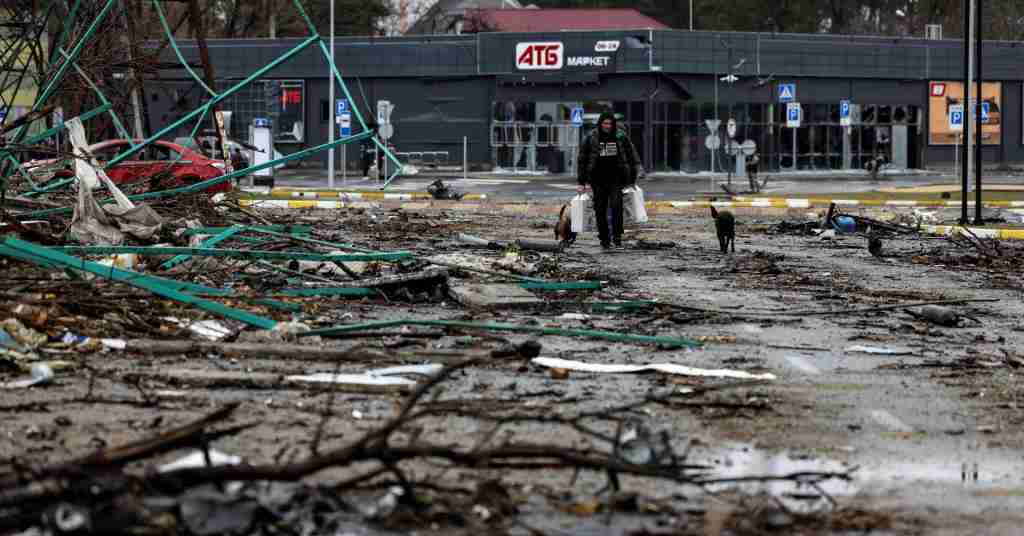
point(581, 211)
point(633, 207)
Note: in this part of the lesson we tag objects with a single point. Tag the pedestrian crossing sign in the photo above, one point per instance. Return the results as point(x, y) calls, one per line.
point(577, 117)
point(787, 92)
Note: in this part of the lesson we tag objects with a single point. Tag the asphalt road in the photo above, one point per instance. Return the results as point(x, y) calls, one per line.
point(658, 187)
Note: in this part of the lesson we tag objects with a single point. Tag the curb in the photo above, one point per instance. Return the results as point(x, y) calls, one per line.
point(287, 193)
point(980, 232)
point(786, 202)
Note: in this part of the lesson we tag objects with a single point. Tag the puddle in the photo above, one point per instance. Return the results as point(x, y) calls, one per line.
point(982, 474)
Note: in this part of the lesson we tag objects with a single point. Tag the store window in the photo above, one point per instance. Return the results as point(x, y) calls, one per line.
point(291, 104)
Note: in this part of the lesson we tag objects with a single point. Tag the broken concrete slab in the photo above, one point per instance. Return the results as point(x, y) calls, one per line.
point(494, 296)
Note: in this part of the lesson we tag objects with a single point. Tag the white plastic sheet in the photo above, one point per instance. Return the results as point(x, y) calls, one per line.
point(633, 207)
point(581, 211)
point(667, 368)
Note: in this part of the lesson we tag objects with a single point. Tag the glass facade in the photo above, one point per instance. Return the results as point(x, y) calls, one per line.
point(539, 136)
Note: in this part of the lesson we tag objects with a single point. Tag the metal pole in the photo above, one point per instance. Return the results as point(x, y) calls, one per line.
point(956, 155)
point(978, 154)
point(333, 122)
point(465, 157)
point(966, 156)
point(691, 15)
point(344, 164)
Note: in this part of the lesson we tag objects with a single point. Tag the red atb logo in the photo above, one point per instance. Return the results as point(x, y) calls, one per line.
point(539, 56)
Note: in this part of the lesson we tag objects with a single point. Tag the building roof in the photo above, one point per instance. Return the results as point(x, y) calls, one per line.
point(443, 14)
point(556, 20)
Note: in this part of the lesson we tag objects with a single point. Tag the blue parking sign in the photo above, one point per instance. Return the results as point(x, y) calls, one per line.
point(341, 106)
point(844, 113)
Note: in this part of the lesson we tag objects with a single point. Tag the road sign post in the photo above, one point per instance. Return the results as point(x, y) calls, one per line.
point(713, 142)
point(793, 117)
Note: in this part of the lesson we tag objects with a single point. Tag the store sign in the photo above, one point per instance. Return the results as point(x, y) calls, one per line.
point(540, 56)
point(551, 56)
point(589, 61)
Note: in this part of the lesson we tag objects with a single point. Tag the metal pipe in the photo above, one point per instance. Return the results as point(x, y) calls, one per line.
point(966, 154)
point(979, 144)
point(333, 105)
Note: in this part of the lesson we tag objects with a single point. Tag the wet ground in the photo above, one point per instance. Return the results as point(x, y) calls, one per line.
point(929, 416)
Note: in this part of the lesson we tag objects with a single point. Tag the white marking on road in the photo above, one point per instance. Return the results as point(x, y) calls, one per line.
point(802, 365)
point(889, 421)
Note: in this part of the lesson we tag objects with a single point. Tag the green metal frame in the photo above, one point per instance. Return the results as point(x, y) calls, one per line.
point(243, 254)
point(296, 229)
point(159, 286)
point(70, 59)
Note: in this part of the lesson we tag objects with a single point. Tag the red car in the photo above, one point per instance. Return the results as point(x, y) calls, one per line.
point(158, 164)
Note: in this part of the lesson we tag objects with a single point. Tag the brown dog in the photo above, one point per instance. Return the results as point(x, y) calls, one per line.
point(563, 229)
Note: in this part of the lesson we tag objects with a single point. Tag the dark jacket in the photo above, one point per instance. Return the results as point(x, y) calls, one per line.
point(629, 161)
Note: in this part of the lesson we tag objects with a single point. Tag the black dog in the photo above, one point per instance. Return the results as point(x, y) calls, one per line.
point(725, 227)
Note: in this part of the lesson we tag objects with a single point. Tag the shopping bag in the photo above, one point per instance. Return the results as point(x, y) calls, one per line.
point(581, 211)
point(633, 207)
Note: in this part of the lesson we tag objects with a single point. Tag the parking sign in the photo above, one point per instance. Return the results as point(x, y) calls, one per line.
point(340, 107)
point(844, 113)
point(956, 117)
point(793, 115)
point(984, 112)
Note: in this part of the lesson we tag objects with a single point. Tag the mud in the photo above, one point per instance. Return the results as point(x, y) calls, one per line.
point(916, 426)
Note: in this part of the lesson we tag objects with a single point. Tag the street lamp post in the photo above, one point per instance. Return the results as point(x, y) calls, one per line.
point(332, 124)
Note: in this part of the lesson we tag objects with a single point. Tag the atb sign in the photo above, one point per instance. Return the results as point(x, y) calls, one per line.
point(793, 115)
point(956, 117)
point(844, 113)
point(548, 56)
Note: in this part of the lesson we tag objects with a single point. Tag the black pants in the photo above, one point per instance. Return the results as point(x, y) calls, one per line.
point(605, 198)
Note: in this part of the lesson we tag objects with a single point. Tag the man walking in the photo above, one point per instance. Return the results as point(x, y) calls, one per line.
point(607, 163)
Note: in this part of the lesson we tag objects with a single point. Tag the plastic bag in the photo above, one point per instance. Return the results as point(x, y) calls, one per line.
point(581, 211)
point(633, 207)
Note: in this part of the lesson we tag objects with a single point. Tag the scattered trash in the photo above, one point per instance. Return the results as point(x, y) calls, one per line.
point(197, 459)
point(939, 315)
point(559, 374)
point(386, 377)
point(212, 330)
point(439, 190)
point(879, 350)
point(845, 224)
point(667, 368)
point(41, 374)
